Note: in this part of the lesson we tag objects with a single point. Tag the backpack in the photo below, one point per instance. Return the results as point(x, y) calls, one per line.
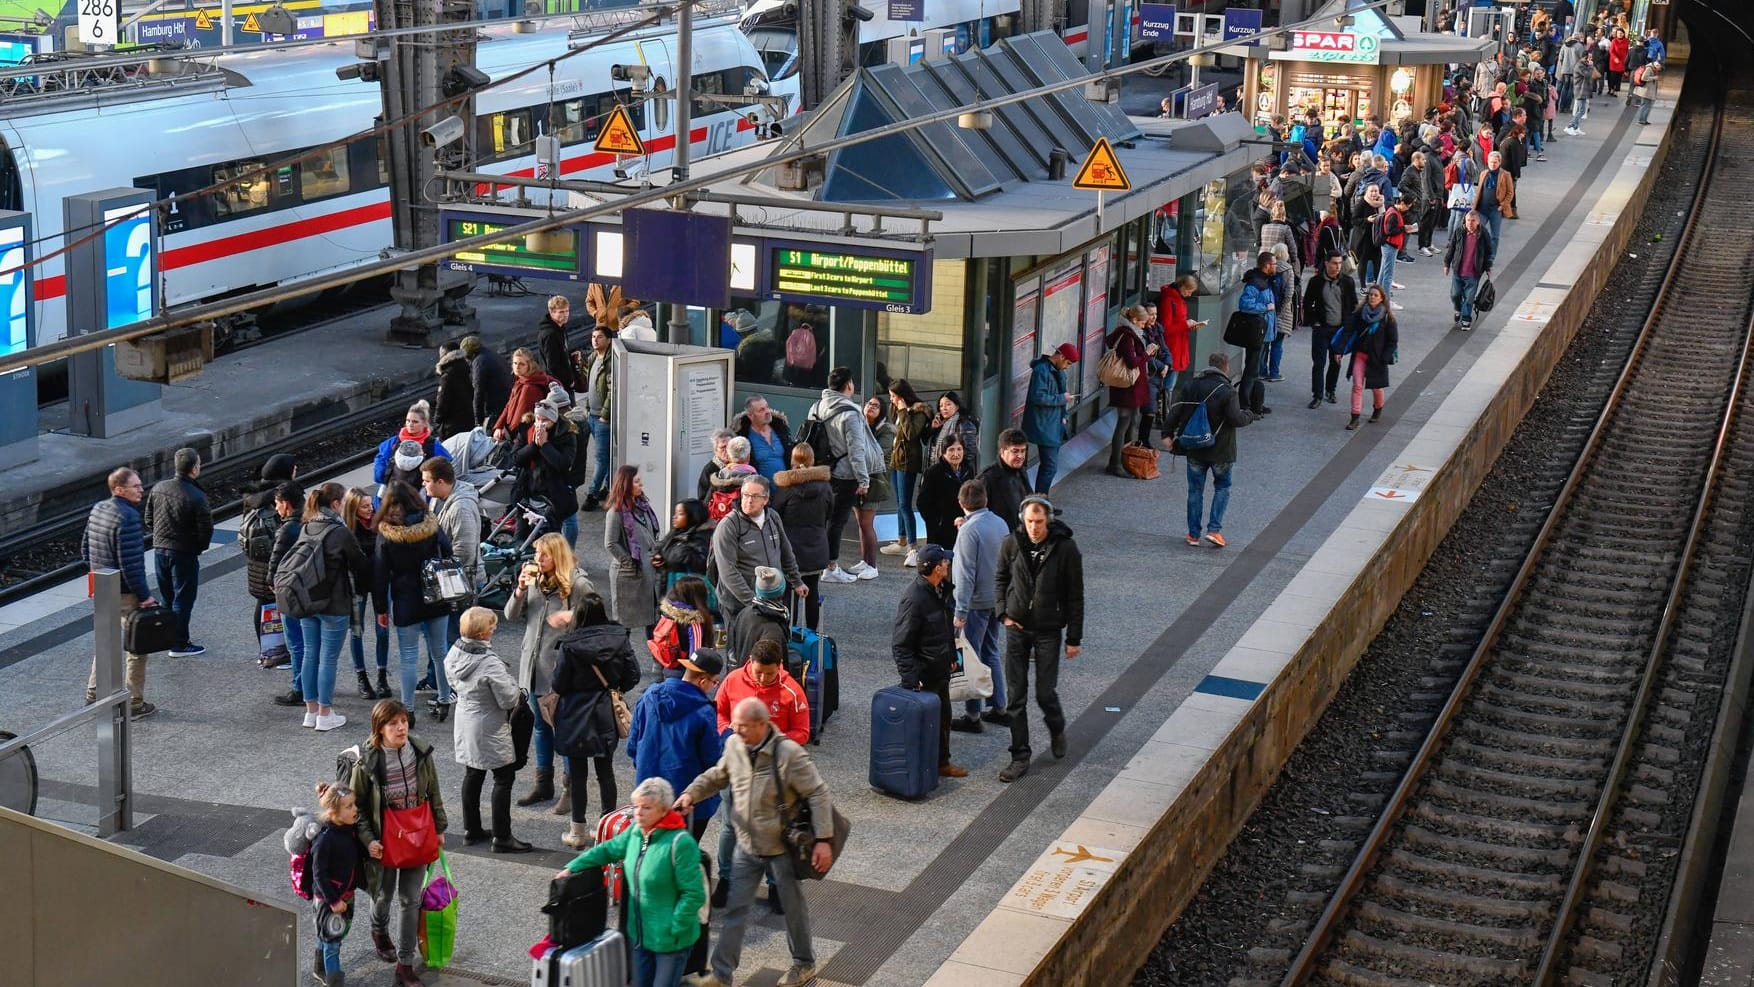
point(257, 533)
point(721, 502)
point(1379, 233)
point(300, 573)
point(801, 348)
point(664, 644)
point(816, 434)
point(1197, 431)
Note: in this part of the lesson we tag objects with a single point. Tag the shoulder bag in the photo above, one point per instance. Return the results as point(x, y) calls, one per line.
point(623, 715)
point(410, 836)
point(797, 833)
point(1113, 371)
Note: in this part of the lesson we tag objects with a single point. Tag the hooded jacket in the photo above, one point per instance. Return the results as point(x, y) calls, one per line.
point(855, 451)
point(490, 383)
point(1213, 389)
point(454, 410)
point(551, 348)
point(739, 545)
point(367, 783)
point(1045, 595)
point(459, 517)
point(750, 774)
point(908, 455)
point(583, 653)
point(1044, 414)
point(685, 551)
point(761, 620)
point(675, 736)
point(804, 499)
point(666, 887)
point(486, 695)
point(924, 642)
point(178, 516)
point(401, 556)
point(787, 705)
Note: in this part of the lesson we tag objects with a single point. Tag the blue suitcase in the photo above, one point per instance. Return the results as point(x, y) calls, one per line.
point(817, 658)
point(904, 742)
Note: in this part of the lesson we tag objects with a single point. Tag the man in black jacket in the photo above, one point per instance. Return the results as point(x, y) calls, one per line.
point(1467, 260)
point(181, 524)
point(1330, 297)
point(1211, 387)
point(924, 643)
point(551, 342)
point(1005, 480)
point(489, 377)
point(1040, 594)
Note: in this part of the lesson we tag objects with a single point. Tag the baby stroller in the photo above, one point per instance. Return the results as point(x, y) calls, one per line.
point(503, 553)
point(487, 465)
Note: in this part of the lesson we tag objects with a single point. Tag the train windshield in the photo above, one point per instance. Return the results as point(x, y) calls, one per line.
point(779, 50)
point(11, 182)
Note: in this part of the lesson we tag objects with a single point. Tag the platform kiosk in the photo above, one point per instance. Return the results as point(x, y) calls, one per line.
point(666, 401)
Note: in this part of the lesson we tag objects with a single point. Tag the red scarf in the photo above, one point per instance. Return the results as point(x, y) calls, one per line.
point(420, 436)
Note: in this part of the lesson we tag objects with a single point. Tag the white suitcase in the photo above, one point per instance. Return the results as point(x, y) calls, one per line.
point(602, 962)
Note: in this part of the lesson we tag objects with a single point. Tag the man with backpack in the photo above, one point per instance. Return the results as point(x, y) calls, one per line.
point(256, 534)
point(836, 431)
point(1207, 417)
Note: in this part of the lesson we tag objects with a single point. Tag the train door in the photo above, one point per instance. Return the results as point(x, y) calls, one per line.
point(660, 116)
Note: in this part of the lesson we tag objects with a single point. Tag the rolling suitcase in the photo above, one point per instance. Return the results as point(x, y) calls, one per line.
point(602, 962)
point(817, 657)
point(904, 742)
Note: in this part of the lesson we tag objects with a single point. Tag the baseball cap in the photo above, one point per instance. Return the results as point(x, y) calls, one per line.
point(931, 555)
point(706, 661)
point(1067, 352)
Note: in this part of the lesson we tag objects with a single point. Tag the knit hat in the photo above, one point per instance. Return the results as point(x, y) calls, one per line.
point(558, 396)
point(409, 455)
point(547, 412)
point(278, 468)
point(768, 582)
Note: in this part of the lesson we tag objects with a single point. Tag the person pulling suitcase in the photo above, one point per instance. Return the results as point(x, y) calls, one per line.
point(924, 643)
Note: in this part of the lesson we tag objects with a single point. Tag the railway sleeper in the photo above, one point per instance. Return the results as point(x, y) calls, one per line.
point(1672, 714)
point(1351, 975)
point(1514, 781)
point(1646, 795)
point(1392, 758)
point(1485, 877)
point(1430, 959)
point(1549, 686)
point(1580, 977)
point(1520, 937)
point(1535, 743)
point(1421, 838)
point(1568, 767)
point(1617, 865)
point(1517, 828)
point(1541, 633)
point(1590, 948)
point(1653, 774)
point(1495, 907)
point(1619, 923)
point(1665, 733)
point(1570, 671)
point(1463, 796)
point(1498, 697)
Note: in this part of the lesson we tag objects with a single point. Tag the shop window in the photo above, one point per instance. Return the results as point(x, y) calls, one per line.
point(926, 349)
point(324, 175)
point(785, 344)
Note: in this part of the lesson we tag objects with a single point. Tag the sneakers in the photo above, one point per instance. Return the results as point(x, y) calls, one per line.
point(1465, 325)
point(1273, 378)
point(966, 724)
point(190, 650)
point(997, 717)
point(1573, 132)
point(1540, 157)
point(835, 574)
point(1215, 539)
point(1397, 306)
point(326, 723)
point(140, 709)
point(1397, 286)
point(292, 698)
point(798, 975)
point(948, 770)
point(913, 559)
point(1193, 540)
point(310, 720)
point(859, 570)
point(894, 548)
point(1015, 770)
point(1428, 251)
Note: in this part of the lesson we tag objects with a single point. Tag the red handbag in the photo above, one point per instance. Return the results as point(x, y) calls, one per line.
point(411, 837)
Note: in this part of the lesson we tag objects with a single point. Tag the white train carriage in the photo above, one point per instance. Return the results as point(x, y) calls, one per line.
point(331, 211)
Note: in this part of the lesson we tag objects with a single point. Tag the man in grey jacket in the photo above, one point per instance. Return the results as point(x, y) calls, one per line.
point(750, 536)
point(854, 456)
point(973, 570)
point(181, 524)
point(457, 506)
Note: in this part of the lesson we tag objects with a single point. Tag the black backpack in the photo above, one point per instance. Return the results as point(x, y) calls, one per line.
point(816, 434)
point(256, 534)
point(301, 572)
point(577, 908)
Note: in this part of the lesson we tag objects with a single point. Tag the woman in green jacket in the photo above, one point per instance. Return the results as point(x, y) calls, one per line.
point(907, 459)
point(665, 884)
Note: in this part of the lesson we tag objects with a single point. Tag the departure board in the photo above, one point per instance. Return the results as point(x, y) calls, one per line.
point(891, 281)
point(553, 255)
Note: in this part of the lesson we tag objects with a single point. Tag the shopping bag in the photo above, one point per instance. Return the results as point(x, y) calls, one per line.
point(273, 629)
point(974, 680)
point(409, 836)
point(438, 915)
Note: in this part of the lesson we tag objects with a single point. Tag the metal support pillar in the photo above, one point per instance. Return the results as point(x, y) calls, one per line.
point(115, 776)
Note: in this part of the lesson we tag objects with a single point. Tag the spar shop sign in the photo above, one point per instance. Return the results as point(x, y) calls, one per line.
point(1333, 46)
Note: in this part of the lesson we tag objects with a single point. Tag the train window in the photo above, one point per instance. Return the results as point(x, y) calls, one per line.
point(324, 175)
point(709, 84)
point(247, 188)
point(566, 120)
point(505, 135)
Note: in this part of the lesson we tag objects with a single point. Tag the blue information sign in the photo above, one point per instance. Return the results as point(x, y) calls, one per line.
point(907, 10)
point(127, 266)
point(1156, 21)
point(14, 289)
point(699, 273)
point(1240, 23)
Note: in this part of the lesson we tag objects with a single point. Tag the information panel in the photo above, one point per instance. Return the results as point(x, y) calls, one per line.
point(887, 280)
point(554, 255)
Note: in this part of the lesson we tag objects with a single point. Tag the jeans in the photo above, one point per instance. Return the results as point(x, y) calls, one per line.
point(1580, 110)
point(1197, 495)
point(569, 529)
point(1535, 137)
point(502, 800)
point(1385, 275)
point(401, 885)
point(658, 969)
point(1047, 466)
point(577, 768)
point(746, 871)
point(1323, 373)
point(1359, 361)
point(600, 455)
point(1042, 647)
point(327, 631)
point(982, 632)
point(1461, 295)
point(1457, 218)
point(904, 505)
point(1494, 222)
point(1126, 423)
point(1565, 95)
point(541, 738)
point(356, 640)
point(179, 576)
point(295, 645)
point(1275, 354)
point(846, 496)
point(1644, 109)
point(408, 656)
point(331, 951)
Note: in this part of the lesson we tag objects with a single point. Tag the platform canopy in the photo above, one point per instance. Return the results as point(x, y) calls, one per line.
point(943, 161)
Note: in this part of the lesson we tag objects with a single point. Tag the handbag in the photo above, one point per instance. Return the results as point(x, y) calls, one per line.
point(1485, 296)
point(798, 834)
point(549, 704)
point(623, 715)
point(523, 724)
point(149, 630)
point(443, 581)
point(1113, 371)
point(1140, 462)
point(973, 679)
point(410, 837)
point(438, 916)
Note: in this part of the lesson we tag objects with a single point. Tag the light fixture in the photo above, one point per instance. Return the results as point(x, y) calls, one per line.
point(523, 27)
point(1401, 81)
point(975, 120)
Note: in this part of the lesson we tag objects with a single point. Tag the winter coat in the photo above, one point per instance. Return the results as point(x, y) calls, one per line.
point(1484, 250)
point(335, 864)
point(1277, 232)
point(257, 572)
point(759, 458)
point(384, 469)
point(961, 425)
point(1513, 145)
point(1006, 488)
point(453, 411)
point(486, 694)
point(937, 500)
point(750, 774)
point(1505, 190)
point(1223, 409)
point(552, 350)
point(675, 736)
point(345, 566)
point(633, 583)
point(534, 607)
point(1129, 344)
point(1285, 311)
point(1377, 341)
point(459, 517)
point(490, 385)
point(666, 887)
point(739, 545)
point(855, 454)
point(584, 725)
point(597, 378)
point(1313, 305)
point(788, 708)
point(1047, 597)
point(526, 391)
point(685, 552)
point(924, 641)
point(368, 784)
point(761, 620)
point(804, 499)
point(1619, 50)
point(1044, 409)
point(1172, 309)
point(178, 516)
point(284, 536)
point(911, 426)
point(547, 471)
point(1416, 188)
point(403, 550)
point(114, 538)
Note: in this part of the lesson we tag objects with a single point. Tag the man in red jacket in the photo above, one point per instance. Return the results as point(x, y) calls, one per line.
point(764, 676)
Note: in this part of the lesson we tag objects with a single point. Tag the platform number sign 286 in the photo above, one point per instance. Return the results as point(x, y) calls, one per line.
point(99, 21)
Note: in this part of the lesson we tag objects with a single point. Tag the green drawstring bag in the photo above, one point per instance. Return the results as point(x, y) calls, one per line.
point(438, 915)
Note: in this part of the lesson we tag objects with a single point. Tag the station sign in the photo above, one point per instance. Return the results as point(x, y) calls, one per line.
point(1331, 46)
point(1200, 102)
point(100, 21)
point(1156, 21)
point(552, 255)
point(1241, 24)
point(896, 281)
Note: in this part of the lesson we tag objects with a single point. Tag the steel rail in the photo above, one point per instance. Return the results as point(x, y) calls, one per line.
point(1303, 966)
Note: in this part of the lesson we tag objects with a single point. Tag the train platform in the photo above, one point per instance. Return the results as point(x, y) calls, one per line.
point(1729, 956)
point(981, 882)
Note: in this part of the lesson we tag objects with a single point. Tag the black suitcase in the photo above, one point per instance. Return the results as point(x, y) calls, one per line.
point(149, 630)
point(577, 908)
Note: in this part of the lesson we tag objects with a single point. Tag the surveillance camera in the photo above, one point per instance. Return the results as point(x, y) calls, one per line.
point(637, 74)
point(363, 71)
point(462, 78)
point(630, 168)
point(859, 13)
point(444, 133)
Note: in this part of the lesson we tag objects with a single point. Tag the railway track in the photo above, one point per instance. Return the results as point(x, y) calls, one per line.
point(1503, 855)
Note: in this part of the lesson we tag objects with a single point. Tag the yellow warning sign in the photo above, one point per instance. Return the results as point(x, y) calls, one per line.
point(251, 24)
point(1101, 171)
point(203, 20)
point(618, 135)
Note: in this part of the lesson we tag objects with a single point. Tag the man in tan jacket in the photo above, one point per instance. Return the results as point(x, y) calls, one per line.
point(761, 770)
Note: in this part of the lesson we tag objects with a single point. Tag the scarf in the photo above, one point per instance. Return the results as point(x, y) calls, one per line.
point(421, 436)
point(639, 512)
point(1372, 316)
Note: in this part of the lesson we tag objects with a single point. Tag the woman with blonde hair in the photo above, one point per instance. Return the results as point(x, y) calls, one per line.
point(548, 589)
point(361, 518)
point(529, 385)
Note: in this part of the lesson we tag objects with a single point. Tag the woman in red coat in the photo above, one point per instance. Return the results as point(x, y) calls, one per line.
point(1618, 51)
point(1172, 308)
point(529, 387)
point(1128, 342)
